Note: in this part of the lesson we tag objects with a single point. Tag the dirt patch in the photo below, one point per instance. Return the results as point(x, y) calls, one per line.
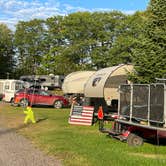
point(15, 149)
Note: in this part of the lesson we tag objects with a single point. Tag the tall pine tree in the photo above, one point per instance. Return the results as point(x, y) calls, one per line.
point(150, 55)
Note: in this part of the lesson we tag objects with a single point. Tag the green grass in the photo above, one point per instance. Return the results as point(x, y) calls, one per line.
point(79, 145)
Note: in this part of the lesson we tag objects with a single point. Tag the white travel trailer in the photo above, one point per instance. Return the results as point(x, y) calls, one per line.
point(74, 82)
point(73, 85)
point(8, 87)
point(97, 89)
point(50, 81)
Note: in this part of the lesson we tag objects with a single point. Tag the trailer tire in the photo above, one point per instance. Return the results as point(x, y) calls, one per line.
point(134, 140)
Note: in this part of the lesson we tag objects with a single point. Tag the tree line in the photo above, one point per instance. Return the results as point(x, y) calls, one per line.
point(88, 41)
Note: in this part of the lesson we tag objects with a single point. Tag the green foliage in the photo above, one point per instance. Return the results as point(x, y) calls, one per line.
point(150, 53)
point(6, 52)
point(127, 33)
point(29, 38)
point(88, 41)
point(79, 41)
point(83, 39)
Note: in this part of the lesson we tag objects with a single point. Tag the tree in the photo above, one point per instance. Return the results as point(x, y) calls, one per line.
point(29, 37)
point(150, 54)
point(83, 39)
point(127, 34)
point(6, 52)
point(104, 32)
point(53, 60)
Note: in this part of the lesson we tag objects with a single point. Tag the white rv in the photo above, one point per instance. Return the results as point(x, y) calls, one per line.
point(50, 81)
point(8, 87)
point(73, 85)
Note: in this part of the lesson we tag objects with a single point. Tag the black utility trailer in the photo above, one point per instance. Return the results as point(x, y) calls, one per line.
point(141, 114)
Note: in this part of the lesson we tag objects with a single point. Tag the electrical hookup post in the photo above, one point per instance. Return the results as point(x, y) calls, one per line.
point(101, 118)
point(29, 116)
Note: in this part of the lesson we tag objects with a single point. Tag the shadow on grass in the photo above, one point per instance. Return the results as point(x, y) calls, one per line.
point(155, 142)
point(159, 142)
point(9, 130)
point(41, 119)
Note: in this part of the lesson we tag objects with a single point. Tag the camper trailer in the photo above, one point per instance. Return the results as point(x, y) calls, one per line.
point(8, 88)
point(102, 87)
point(74, 83)
point(98, 89)
point(50, 81)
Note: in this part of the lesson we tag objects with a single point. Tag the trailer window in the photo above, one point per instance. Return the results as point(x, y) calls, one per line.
point(18, 85)
point(115, 81)
point(7, 85)
point(42, 79)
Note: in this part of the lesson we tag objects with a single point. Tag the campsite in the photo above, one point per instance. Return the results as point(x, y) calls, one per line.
point(78, 145)
point(82, 83)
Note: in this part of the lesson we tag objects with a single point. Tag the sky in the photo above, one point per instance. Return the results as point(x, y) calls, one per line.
point(12, 11)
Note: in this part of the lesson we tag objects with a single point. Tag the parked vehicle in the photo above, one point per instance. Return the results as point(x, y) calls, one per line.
point(97, 88)
point(141, 114)
point(50, 81)
point(1, 96)
point(8, 87)
point(102, 87)
point(31, 97)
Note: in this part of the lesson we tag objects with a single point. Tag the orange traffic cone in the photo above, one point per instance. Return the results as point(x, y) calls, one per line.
point(100, 113)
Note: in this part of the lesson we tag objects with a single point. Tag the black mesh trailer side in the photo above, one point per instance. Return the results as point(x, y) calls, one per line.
point(157, 103)
point(143, 103)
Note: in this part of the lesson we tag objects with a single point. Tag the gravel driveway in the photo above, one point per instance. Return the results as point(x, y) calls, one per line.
point(15, 150)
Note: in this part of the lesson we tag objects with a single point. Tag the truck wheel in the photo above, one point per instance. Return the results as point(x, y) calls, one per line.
point(134, 140)
point(24, 103)
point(12, 102)
point(58, 104)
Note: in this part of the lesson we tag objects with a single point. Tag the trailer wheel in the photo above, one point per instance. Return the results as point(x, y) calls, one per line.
point(134, 140)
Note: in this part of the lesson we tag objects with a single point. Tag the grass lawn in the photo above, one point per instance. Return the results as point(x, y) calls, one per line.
point(78, 145)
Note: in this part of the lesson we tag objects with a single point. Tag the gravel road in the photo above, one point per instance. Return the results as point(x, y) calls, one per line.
point(16, 150)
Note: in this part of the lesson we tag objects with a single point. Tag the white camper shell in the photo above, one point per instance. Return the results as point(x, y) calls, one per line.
point(8, 88)
point(50, 81)
point(74, 82)
point(102, 87)
point(105, 82)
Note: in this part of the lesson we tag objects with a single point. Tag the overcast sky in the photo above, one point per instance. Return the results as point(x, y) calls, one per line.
point(12, 11)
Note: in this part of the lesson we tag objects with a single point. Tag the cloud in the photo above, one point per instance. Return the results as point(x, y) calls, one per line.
point(12, 11)
point(70, 8)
